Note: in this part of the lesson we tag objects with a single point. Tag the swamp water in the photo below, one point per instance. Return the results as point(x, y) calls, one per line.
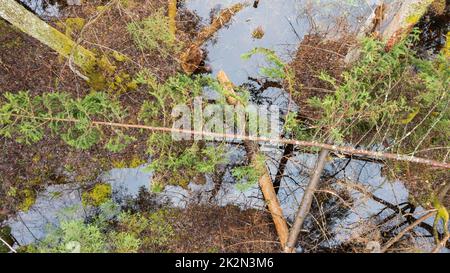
point(285, 23)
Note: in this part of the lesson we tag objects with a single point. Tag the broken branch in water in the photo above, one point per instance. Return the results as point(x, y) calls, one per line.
point(193, 55)
point(408, 228)
point(305, 204)
point(265, 182)
point(32, 25)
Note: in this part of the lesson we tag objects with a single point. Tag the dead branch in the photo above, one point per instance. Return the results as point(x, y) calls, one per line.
point(192, 55)
point(408, 228)
point(306, 202)
point(265, 182)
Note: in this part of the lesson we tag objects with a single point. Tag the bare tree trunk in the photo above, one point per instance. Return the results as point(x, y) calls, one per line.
point(265, 182)
point(391, 23)
point(29, 23)
point(305, 204)
point(403, 20)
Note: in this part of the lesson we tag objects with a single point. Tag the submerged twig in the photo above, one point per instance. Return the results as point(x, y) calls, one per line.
point(408, 228)
point(192, 56)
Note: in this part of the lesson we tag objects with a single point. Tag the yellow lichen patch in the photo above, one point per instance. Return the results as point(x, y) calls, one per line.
point(101, 8)
point(446, 49)
point(119, 164)
point(97, 196)
point(119, 56)
point(136, 161)
point(29, 198)
point(73, 25)
point(105, 65)
point(36, 158)
point(413, 19)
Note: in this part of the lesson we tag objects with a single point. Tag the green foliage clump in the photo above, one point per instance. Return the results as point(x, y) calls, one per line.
point(391, 96)
point(26, 119)
point(175, 162)
point(110, 231)
point(248, 176)
point(153, 34)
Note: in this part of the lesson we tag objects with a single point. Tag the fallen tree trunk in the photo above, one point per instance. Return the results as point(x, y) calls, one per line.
point(29, 23)
point(391, 23)
point(287, 154)
point(401, 22)
point(265, 182)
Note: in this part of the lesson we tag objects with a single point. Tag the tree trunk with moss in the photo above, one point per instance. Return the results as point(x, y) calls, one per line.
point(402, 19)
point(29, 23)
point(391, 23)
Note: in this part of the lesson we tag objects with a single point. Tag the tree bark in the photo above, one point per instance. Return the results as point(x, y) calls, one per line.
point(29, 23)
point(390, 23)
point(403, 20)
point(265, 182)
point(305, 204)
point(287, 154)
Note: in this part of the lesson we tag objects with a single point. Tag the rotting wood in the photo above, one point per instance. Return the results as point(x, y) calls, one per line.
point(193, 55)
point(403, 21)
point(390, 23)
point(265, 181)
point(172, 14)
point(29, 23)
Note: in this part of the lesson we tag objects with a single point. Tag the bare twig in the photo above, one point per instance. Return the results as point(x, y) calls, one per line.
point(408, 228)
point(7, 245)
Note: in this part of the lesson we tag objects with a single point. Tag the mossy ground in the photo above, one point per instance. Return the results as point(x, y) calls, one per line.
point(26, 64)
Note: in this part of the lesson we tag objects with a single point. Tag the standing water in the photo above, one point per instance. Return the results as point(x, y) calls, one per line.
point(282, 25)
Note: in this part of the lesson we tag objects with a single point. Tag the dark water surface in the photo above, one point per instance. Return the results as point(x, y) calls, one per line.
point(285, 23)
